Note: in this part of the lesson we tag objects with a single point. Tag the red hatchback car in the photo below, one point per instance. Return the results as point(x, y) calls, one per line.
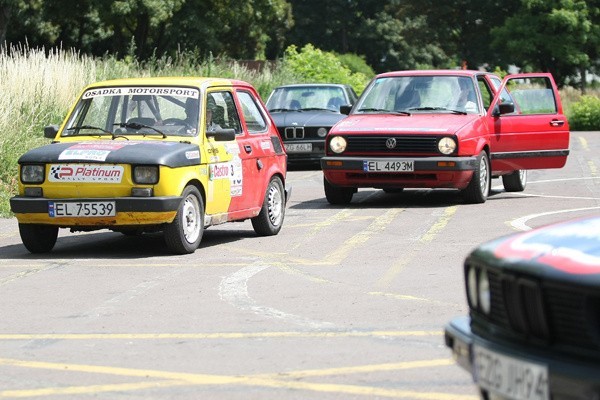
point(446, 129)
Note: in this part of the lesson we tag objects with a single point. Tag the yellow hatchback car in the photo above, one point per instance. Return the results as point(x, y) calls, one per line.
point(155, 154)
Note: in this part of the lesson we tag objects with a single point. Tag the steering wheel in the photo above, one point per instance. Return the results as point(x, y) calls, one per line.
point(175, 121)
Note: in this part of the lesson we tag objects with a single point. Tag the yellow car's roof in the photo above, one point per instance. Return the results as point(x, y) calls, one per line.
point(183, 80)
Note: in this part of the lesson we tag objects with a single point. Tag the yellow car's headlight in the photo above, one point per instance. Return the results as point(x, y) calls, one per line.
point(145, 174)
point(32, 173)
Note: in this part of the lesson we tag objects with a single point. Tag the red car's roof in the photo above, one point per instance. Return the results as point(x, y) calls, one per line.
point(447, 72)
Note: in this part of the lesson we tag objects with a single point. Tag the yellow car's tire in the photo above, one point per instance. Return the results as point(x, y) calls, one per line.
point(270, 219)
point(184, 234)
point(38, 238)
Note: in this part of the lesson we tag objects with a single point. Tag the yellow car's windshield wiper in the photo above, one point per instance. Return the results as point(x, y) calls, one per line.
point(79, 127)
point(138, 126)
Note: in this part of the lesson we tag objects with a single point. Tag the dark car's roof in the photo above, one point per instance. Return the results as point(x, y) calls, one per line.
point(568, 250)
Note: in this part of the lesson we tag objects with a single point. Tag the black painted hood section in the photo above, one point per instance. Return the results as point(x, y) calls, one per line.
point(171, 154)
point(315, 119)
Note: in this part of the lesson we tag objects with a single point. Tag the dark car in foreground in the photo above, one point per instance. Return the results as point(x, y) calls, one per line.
point(304, 114)
point(533, 330)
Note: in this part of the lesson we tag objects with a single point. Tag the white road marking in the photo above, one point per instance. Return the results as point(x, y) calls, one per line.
point(234, 290)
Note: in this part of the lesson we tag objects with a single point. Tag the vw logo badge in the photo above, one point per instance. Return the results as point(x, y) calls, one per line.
point(390, 143)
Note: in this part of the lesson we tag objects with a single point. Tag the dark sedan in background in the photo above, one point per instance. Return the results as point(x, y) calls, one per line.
point(533, 330)
point(304, 113)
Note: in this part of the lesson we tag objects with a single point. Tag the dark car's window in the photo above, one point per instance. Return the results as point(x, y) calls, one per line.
point(255, 120)
point(307, 97)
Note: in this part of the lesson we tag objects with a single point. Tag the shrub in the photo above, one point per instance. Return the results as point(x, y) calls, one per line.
point(317, 66)
point(585, 114)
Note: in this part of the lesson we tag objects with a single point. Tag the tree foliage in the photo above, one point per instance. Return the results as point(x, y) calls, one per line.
point(559, 36)
point(556, 36)
point(314, 65)
point(152, 28)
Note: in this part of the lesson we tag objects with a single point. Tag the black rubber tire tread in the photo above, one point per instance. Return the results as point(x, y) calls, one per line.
point(38, 238)
point(474, 193)
point(393, 190)
point(515, 182)
point(270, 219)
point(337, 194)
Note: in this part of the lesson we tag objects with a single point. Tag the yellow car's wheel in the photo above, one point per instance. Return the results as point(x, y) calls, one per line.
point(38, 238)
point(268, 222)
point(184, 234)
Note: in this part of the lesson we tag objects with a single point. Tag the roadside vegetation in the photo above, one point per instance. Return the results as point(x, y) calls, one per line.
point(39, 86)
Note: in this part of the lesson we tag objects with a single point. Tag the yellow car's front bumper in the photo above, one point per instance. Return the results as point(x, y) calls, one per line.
point(129, 211)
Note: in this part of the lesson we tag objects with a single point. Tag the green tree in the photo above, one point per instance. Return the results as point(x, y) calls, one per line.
point(557, 36)
point(151, 28)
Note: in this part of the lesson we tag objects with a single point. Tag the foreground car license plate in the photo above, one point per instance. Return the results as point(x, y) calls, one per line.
point(388, 166)
point(82, 209)
point(298, 147)
point(510, 377)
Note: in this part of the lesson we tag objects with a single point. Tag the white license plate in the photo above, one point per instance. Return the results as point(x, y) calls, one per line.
point(298, 147)
point(388, 166)
point(510, 377)
point(82, 209)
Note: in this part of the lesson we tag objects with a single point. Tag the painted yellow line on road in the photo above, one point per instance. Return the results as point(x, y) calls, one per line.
point(583, 143)
point(378, 225)
point(399, 296)
point(343, 215)
point(363, 369)
point(593, 168)
point(439, 225)
point(192, 379)
point(92, 389)
point(216, 335)
point(408, 256)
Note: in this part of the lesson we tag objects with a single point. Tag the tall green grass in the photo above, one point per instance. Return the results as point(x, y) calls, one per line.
point(37, 88)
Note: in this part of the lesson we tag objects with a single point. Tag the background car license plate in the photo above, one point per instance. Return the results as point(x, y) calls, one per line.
point(82, 209)
point(510, 377)
point(298, 147)
point(388, 166)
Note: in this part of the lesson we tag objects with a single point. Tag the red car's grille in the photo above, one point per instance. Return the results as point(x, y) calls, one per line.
point(383, 144)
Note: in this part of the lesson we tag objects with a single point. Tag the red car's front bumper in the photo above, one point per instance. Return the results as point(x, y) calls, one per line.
point(430, 172)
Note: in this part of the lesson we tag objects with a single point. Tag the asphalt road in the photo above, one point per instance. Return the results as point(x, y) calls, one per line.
point(345, 303)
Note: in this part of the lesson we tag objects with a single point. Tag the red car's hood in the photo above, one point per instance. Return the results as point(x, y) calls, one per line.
point(391, 123)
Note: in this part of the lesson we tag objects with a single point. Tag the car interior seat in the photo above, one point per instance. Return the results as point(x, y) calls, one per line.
point(334, 103)
point(141, 120)
point(219, 116)
point(408, 99)
point(294, 105)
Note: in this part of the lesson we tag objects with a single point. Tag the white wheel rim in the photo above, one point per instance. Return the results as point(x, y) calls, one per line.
point(483, 176)
point(275, 205)
point(191, 219)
